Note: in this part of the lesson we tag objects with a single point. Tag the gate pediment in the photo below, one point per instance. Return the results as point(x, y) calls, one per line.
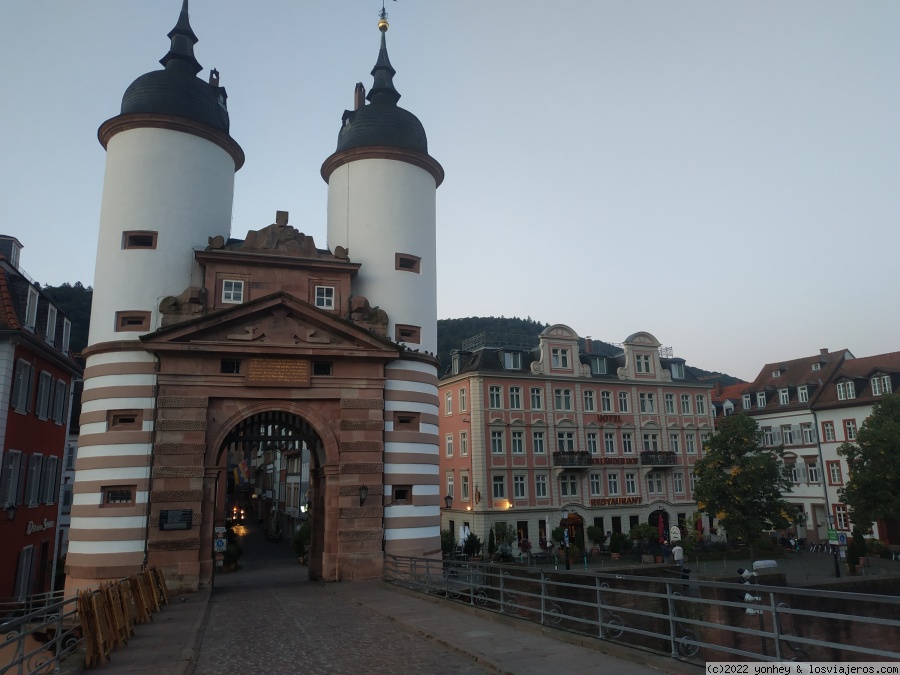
point(272, 324)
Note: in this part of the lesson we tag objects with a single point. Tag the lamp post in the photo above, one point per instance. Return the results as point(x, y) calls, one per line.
point(829, 518)
point(565, 518)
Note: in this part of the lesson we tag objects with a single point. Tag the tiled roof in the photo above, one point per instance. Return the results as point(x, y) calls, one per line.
point(8, 318)
point(861, 371)
point(733, 392)
point(793, 374)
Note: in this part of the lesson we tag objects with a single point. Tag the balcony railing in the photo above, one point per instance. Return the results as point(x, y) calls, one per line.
point(582, 459)
point(659, 458)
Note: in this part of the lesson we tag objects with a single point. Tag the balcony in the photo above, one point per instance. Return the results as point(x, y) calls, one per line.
point(572, 459)
point(659, 459)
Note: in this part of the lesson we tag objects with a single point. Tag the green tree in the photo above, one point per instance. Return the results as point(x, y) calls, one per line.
point(873, 489)
point(741, 483)
point(492, 543)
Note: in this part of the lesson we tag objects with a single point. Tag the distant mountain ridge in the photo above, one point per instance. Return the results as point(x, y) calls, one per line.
point(452, 332)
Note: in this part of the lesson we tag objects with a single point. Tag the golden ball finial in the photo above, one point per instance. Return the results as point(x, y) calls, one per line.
point(383, 25)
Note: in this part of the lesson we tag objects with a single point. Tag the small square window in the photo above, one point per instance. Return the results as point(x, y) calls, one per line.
point(118, 495)
point(323, 368)
point(139, 239)
point(124, 420)
point(232, 291)
point(230, 367)
point(406, 333)
point(404, 262)
point(402, 494)
point(325, 297)
point(132, 321)
point(406, 421)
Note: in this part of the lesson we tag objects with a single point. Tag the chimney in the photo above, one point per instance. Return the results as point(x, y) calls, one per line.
point(359, 96)
point(281, 217)
point(214, 77)
point(823, 351)
point(588, 345)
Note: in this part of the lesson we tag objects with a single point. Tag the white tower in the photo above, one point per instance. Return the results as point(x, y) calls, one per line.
point(381, 208)
point(168, 187)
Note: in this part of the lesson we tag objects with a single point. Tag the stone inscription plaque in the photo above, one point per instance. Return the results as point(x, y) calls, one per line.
point(290, 372)
point(175, 519)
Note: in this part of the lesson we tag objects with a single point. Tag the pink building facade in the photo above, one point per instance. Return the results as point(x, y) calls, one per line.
point(607, 433)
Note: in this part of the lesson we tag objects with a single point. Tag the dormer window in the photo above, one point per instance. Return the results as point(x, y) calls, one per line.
point(512, 360)
point(643, 363)
point(559, 358)
point(748, 401)
point(325, 297)
point(846, 390)
point(677, 370)
point(776, 373)
point(50, 333)
point(816, 366)
point(67, 334)
point(881, 384)
point(233, 291)
point(761, 399)
point(598, 365)
point(31, 308)
point(783, 396)
point(803, 394)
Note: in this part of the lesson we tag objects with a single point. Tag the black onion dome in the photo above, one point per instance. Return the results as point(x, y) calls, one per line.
point(382, 122)
point(177, 90)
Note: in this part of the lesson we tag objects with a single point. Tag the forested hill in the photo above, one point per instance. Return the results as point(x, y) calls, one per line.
point(452, 332)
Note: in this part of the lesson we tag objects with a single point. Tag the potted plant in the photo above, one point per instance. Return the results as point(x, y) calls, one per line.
point(643, 534)
point(595, 534)
point(618, 544)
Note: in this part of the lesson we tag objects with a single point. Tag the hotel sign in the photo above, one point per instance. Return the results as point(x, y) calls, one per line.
point(611, 418)
point(615, 460)
point(616, 501)
point(33, 527)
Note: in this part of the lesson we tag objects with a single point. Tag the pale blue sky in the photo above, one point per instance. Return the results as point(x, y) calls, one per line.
point(723, 175)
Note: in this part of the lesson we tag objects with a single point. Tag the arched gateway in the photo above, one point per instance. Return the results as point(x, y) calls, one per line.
point(197, 337)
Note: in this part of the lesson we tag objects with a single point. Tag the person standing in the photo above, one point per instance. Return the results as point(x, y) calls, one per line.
point(678, 554)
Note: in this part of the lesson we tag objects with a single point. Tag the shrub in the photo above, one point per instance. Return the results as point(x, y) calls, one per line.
point(595, 534)
point(448, 543)
point(472, 545)
point(877, 548)
point(492, 543)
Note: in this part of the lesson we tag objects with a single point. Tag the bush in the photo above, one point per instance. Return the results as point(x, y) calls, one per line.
point(619, 543)
point(877, 548)
point(448, 543)
point(233, 553)
point(472, 545)
point(595, 534)
point(492, 543)
point(856, 549)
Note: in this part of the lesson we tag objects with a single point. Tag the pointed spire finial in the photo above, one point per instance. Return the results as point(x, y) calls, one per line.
point(383, 90)
point(181, 52)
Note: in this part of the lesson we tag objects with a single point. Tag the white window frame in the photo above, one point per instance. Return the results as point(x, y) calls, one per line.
point(537, 398)
point(609, 442)
point(515, 398)
point(50, 333)
point(623, 401)
point(850, 430)
point(784, 397)
point(232, 291)
point(538, 442)
point(881, 384)
point(67, 335)
point(612, 484)
point(627, 443)
point(448, 403)
point(828, 430)
point(760, 399)
point(592, 444)
point(809, 435)
point(498, 486)
point(325, 297)
point(803, 394)
point(655, 483)
point(519, 487)
point(647, 402)
point(450, 484)
point(565, 441)
point(495, 397)
point(497, 447)
point(31, 308)
point(678, 482)
point(448, 445)
point(512, 360)
point(464, 443)
point(701, 404)
point(568, 485)
point(642, 363)
point(630, 483)
point(747, 401)
point(464, 487)
point(690, 443)
point(675, 441)
point(598, 365)
point(606, 401)
point(846, 390)
point(686, 406)
point(651, 441)
point(518, 442)
point(590, 404)
point(670, 404)
point(562, 399)
point(540, 486)
point(463, 400)
point(596, 484)
point(559, 357)
point(677, 371)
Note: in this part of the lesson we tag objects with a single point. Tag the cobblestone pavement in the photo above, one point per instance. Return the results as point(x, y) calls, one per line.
point(268, 618)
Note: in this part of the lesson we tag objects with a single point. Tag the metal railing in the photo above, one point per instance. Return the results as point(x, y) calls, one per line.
point(571, 458)
point(38, 633)
point(669, 614)
point(660, 458)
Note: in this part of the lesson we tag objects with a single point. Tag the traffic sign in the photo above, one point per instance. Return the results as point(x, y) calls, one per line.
point(832, 536)
point(220, 545)
point(842, 539)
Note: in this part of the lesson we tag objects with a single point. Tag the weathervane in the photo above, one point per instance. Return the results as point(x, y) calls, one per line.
point(383, 15)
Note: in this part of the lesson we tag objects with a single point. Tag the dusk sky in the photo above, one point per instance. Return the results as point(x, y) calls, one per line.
point(723, 175)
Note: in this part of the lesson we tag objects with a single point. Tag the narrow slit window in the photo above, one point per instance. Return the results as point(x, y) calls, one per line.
point(405, 262)
point(132, 321)
point(407, 333)
point(139, 240)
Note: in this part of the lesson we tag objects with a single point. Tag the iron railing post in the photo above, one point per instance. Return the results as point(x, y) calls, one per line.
point(776, 626)
point(671, 603)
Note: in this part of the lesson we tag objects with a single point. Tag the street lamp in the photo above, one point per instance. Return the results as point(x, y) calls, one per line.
point(829, 518)
point(448, 500)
